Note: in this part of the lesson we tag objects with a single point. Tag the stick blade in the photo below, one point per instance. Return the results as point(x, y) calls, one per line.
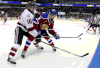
point(80, 35)
point(85, 55)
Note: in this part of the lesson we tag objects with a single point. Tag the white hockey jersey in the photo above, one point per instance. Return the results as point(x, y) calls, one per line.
point(96, 20)
point(26, 23)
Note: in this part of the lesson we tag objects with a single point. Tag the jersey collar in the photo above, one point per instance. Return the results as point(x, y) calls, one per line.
point(30, 11)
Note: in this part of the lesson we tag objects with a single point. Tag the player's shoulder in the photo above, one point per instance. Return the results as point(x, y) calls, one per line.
point(35, 11)
point(44, 15)
point(25, 13)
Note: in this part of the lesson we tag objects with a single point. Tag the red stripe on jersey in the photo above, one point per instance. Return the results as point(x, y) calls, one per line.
point(36, 26)
point(13, 49)
point(21, 25)
point(51, 32)
point(30, 29)
point(12, 54)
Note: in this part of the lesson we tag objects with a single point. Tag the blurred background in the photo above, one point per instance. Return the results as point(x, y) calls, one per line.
point(77, 9)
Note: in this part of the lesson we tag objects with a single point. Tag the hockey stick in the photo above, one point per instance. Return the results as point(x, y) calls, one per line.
point(80, 35)
point(84, 27)
point(67, 51)
point(64, 37)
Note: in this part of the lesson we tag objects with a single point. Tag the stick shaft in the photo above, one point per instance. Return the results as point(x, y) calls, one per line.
point(67, 51)
point(80, 35)
point(64, 37)
point(60, 37)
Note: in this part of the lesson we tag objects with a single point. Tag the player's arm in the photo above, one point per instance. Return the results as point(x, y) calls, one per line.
point(52, 31)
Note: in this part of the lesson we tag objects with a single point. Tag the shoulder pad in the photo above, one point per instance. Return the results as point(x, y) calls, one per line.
point(44, 15)
point(25, 13)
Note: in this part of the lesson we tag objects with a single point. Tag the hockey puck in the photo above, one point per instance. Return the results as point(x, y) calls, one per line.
point(79, 38)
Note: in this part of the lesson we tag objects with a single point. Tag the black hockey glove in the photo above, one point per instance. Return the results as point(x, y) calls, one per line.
point(38, 38)
point(37, 15)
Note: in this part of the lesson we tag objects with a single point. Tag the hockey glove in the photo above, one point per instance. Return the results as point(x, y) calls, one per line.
point(36, 15)
point(38, 38)
point(56, 35)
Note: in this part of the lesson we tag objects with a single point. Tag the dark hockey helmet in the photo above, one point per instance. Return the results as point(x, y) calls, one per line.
point(31, 4)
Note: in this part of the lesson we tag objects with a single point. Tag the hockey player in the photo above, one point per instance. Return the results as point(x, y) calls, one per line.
point(47, 20)
point(91, 23)
point(22, 29)
point(96, 20)
point(87, 20)
point(5, 18)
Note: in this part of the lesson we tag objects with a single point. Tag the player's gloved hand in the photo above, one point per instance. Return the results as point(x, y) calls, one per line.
point(36, 15)
point(38, 38)
point(56, 35)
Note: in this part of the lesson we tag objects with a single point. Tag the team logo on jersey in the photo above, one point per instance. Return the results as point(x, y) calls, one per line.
point(28, 15)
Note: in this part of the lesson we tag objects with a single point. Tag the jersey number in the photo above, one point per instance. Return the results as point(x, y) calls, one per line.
point(29, 21)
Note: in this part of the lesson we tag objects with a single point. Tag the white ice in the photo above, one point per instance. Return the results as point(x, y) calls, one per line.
point(47, 58)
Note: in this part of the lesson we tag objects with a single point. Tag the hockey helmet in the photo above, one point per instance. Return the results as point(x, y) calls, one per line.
point(31, 4)
point(53, 11)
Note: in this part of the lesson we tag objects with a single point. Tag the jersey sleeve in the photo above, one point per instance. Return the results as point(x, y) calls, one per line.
point(42, 19)
point(50, 29)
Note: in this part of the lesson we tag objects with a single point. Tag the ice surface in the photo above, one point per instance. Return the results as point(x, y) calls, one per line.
point(47, 58)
